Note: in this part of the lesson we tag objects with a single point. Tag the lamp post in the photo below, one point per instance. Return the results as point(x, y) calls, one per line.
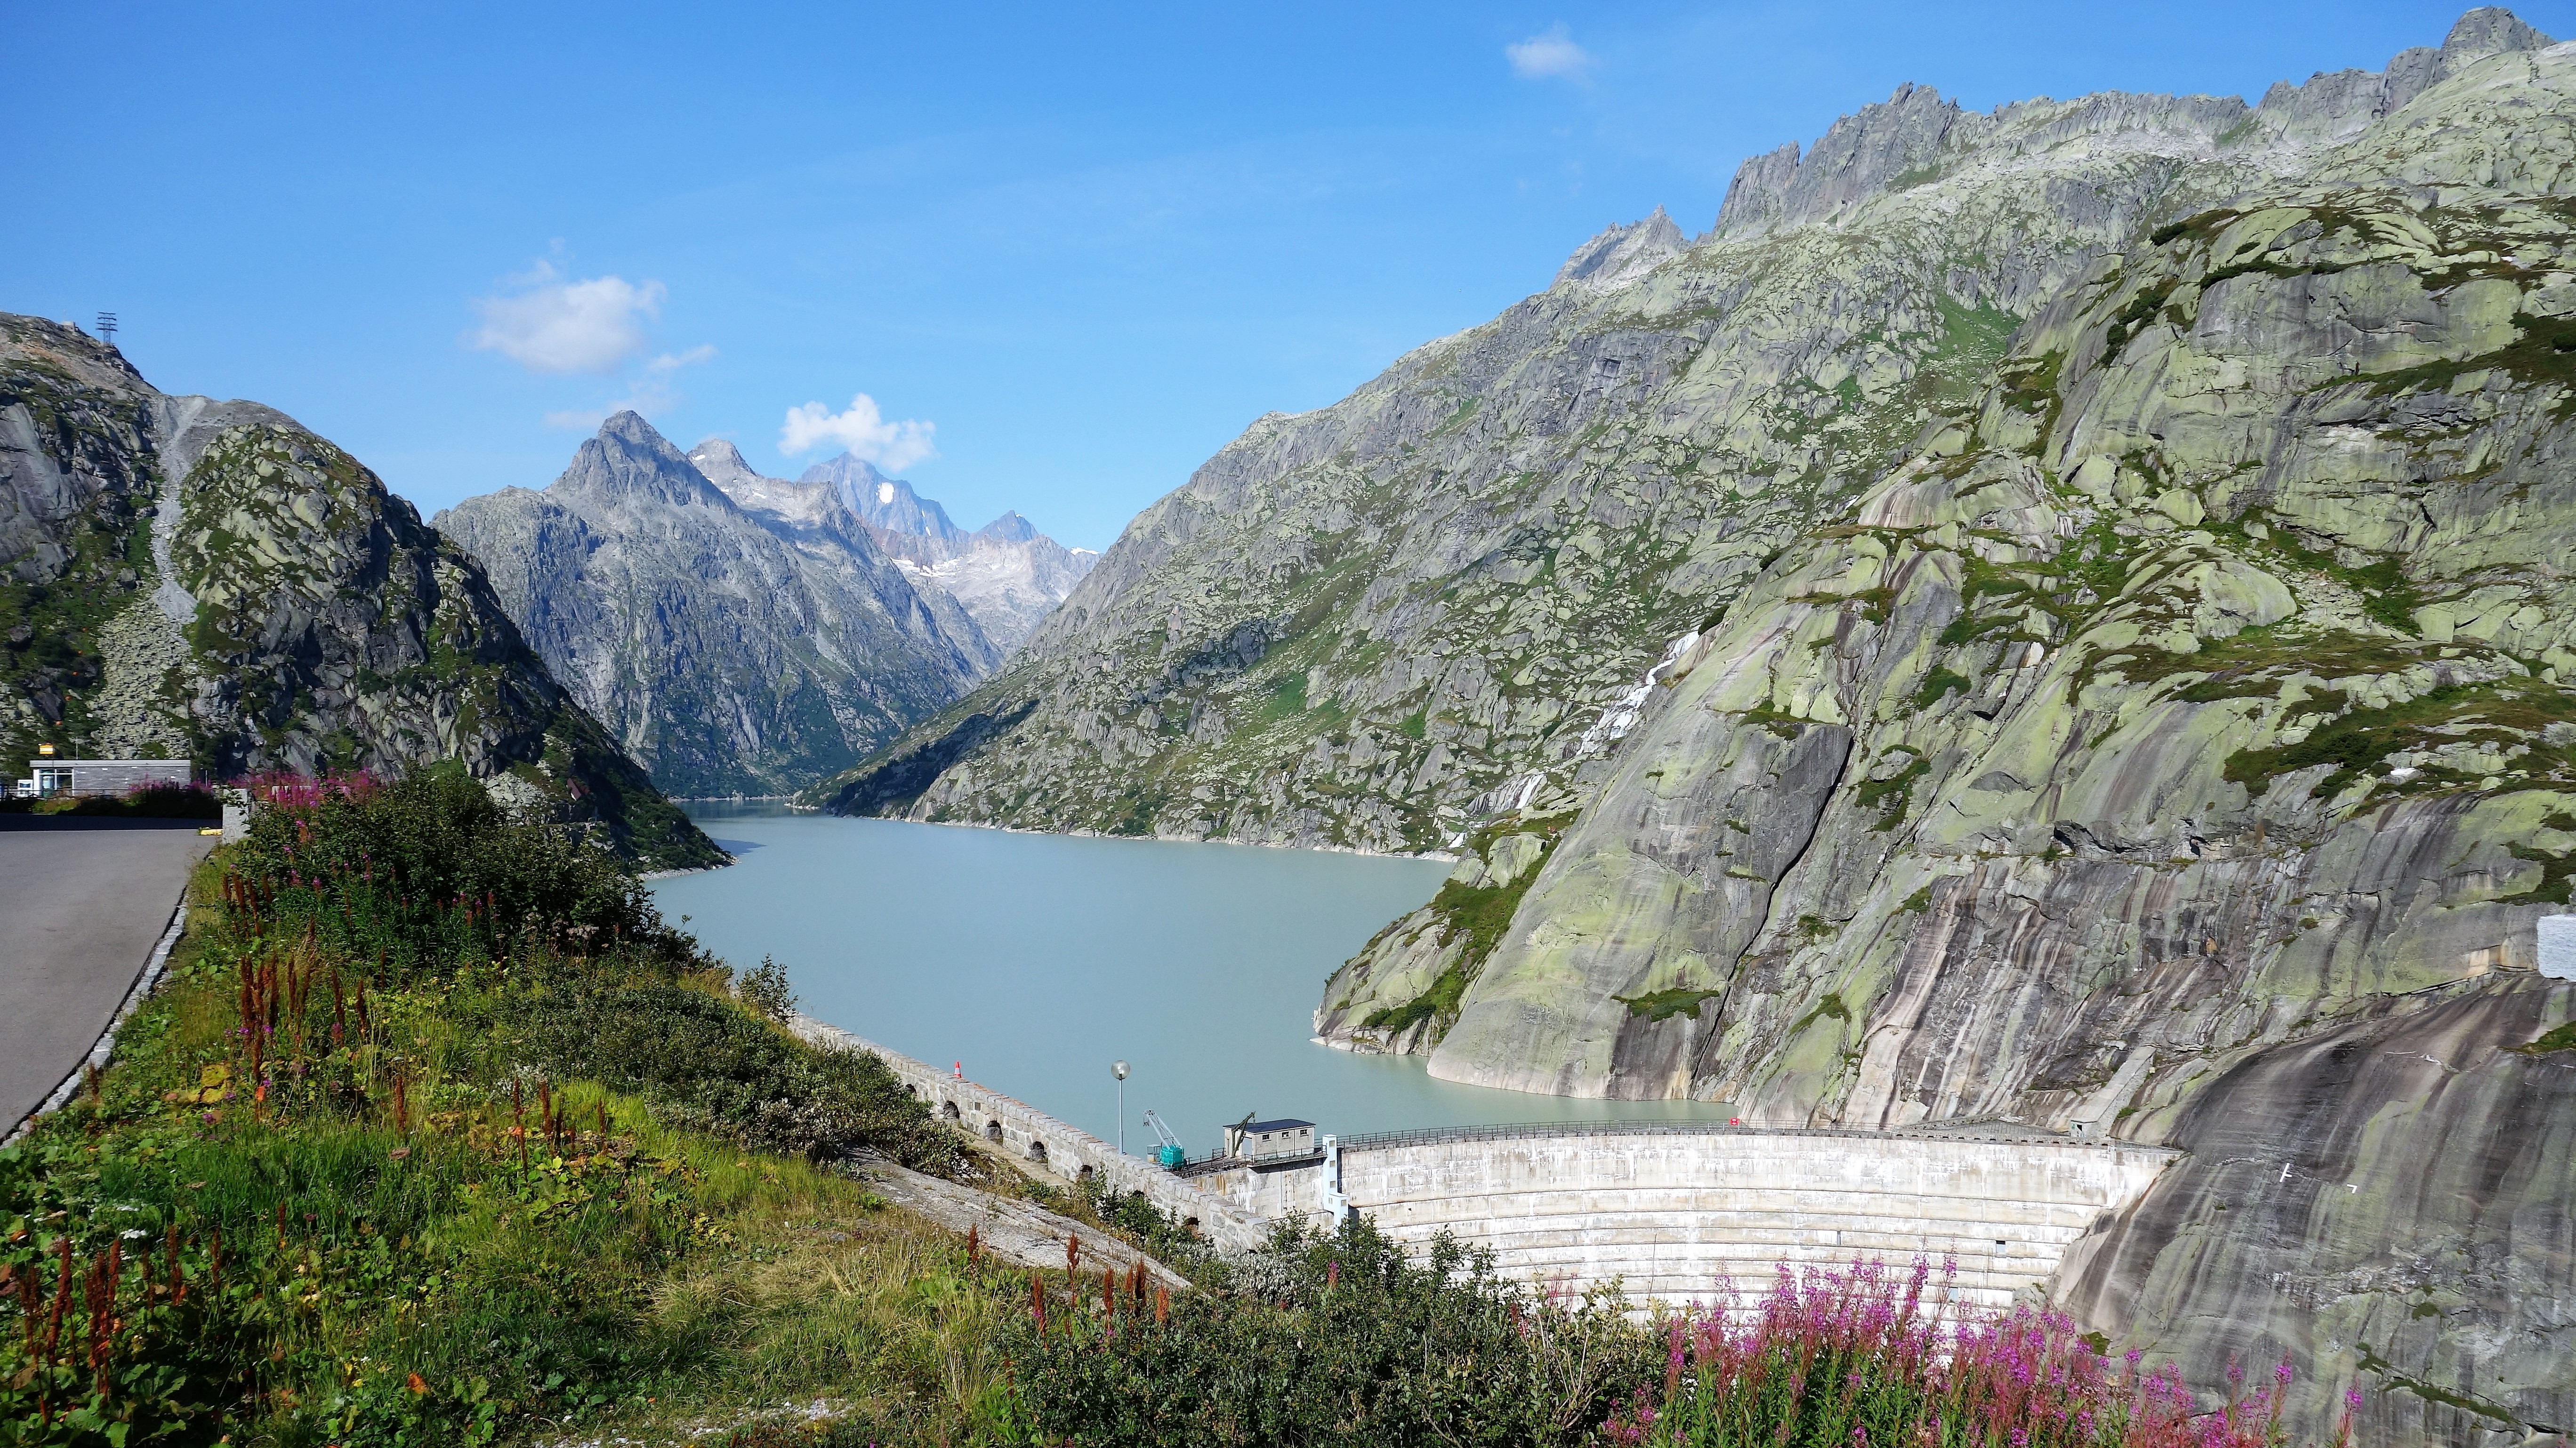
point(1119, 1070)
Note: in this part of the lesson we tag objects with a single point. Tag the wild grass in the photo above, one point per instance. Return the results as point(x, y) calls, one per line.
point(423, 1163)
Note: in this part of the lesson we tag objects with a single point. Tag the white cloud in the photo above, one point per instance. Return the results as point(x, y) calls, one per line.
point(553, 325)
point(1548, 55)
point(670, 362)
point(652, 393)
point(862, 430)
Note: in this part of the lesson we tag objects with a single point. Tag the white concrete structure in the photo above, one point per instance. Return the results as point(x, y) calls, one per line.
point(1677, 1212)
point(1681, 1213)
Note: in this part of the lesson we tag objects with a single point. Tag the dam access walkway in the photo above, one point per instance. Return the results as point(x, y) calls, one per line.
point(83, 902)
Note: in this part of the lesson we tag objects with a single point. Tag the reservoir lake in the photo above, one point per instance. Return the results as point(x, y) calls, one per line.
point(1037, 960)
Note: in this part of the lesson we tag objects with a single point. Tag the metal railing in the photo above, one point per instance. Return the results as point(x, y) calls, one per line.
point(1506, 1131)
point(1223, 1161)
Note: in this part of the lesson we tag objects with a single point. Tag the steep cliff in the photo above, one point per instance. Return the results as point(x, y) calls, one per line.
point(1369, 625)
point(733, 647)
point(185, 577)
point(2179, 744)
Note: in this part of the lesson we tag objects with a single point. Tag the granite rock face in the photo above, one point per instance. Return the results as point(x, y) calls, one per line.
point(2060, 616)
point(1361, 626)
point(734, 645)
point(185, 577)
point(2179, 745)
point(2385, 1201)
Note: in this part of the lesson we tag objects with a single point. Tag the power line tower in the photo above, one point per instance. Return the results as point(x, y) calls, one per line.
point(107, 328)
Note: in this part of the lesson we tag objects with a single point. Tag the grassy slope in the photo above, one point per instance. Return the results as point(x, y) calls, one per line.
point(417, 1280)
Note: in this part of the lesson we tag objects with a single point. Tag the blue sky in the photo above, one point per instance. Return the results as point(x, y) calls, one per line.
point(1067, 251)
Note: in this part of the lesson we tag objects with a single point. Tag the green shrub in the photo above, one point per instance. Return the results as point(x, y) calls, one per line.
point(765, 990)
point(428, 873)
point(1326, 1337)
point(722, 1068)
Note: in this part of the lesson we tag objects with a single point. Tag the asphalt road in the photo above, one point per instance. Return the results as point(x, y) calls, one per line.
point(82, 903)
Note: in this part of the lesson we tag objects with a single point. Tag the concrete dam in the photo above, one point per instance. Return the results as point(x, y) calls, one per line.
point(1676, 1212)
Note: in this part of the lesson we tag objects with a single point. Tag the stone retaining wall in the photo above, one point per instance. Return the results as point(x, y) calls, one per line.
point(1031, 1134)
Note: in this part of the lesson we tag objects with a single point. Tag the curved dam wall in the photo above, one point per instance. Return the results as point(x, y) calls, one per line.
point(1682, 1213)
point(1673, 1212)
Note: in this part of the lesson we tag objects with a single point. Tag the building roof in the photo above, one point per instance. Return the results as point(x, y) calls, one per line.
point(1280, 1125)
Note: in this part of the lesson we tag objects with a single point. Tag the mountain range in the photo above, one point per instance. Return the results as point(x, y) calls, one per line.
point(1006, 574)
point(182, 577)
point(2046, 620)
point(742, 634)
point(732, 649)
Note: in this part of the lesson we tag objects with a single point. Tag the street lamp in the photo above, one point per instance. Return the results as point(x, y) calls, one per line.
point(1119, 1070)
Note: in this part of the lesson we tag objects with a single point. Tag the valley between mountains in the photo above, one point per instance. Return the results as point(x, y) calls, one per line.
point(2056, 620)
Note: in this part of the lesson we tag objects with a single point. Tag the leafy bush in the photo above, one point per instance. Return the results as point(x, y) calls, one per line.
point(723, 1068)
point(1322, 1337)
point(428, 873)
point(765, 990)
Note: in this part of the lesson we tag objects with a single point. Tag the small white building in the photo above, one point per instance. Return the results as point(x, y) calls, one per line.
point(113, 777)
point(1260, 1140)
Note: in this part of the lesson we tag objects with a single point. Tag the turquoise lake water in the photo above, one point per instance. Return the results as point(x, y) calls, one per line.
point(1037, 960)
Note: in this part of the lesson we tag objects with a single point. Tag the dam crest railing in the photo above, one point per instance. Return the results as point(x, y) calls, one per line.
point(1506, 1131)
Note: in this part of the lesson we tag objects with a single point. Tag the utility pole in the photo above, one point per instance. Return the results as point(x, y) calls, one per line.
point(1119, 1070)
point(107, 328)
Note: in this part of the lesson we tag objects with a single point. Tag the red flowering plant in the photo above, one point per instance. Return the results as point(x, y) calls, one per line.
point(1864, 1356)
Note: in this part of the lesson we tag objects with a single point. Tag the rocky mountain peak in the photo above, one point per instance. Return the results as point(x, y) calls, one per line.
point(884, 502)
point(738, 634)
point(2491, 30)
point(1915, 136)
point(1008, 528)
point(1859, 156)
point(797, 505)
point(629, 459)
point(2333, 106)
point(1620, 254)
point(721, 461)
